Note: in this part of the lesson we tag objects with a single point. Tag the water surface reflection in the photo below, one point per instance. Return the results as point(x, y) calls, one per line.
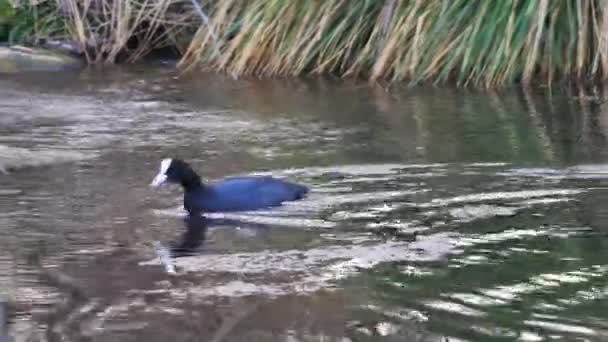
point(434, 214)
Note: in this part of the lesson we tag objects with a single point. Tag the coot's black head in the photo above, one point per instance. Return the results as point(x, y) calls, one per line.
point(176, 171)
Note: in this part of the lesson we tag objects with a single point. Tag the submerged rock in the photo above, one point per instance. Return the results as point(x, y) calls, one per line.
point(17, 59)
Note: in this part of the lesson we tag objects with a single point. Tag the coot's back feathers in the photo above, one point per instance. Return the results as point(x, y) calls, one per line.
point(243, 194)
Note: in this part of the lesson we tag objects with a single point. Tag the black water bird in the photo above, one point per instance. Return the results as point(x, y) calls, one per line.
point(245, 193)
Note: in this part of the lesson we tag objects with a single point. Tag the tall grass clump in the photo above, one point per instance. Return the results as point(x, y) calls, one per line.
point(131, 27)
point(481, 42)
point(27, 22)
point(467, 42)
point(107, 29)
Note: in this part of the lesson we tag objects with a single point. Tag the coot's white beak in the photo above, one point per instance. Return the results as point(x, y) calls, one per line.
point(161, 177)
point(158, 180)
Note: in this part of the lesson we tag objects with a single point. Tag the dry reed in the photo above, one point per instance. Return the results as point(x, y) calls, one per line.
point(468, 42)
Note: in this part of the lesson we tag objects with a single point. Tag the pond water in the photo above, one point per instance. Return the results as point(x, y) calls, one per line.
point(435, 214)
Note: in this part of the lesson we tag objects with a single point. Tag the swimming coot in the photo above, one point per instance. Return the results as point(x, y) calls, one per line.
point(229, 194)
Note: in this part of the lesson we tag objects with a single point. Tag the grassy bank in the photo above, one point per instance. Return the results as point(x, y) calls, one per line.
point(467, 42)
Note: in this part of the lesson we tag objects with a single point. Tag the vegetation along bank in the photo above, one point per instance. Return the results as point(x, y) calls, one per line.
point(464, 42)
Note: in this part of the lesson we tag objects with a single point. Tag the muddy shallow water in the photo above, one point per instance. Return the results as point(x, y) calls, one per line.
point(434, 215)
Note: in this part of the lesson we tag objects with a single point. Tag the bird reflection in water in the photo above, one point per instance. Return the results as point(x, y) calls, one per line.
point(193, 238)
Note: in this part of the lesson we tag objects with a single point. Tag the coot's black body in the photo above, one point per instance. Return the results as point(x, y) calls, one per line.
point(230, 194)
